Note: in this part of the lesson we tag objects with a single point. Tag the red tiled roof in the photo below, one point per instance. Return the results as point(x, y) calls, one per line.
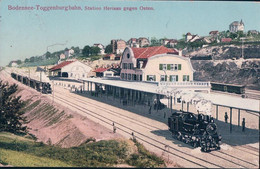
point(61, 65)
point(213, 32)
point(141, 53)
point(101, 69)
point(226, 40)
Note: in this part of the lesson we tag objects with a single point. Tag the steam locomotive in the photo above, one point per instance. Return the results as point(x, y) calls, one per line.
point(43, 87)
point(196, 130)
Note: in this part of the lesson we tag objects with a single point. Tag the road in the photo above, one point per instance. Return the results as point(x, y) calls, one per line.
point(155, 136)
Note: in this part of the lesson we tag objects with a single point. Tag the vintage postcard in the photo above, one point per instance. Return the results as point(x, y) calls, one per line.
point(120, 83)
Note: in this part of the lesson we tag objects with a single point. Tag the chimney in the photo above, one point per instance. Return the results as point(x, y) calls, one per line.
point(180, 52)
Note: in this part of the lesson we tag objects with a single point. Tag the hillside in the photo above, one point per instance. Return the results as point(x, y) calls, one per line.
point(23, 151)
point(225, 64)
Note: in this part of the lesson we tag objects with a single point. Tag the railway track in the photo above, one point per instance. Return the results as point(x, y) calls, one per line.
point(175, 152)
point(154, 142)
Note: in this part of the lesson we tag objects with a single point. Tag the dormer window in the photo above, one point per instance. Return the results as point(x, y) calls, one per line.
point(128, 55)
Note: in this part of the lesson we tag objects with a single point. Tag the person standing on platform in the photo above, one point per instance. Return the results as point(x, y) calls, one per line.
point(150, 109)
point(243, 125)
point(114, 128)
point(226, 117)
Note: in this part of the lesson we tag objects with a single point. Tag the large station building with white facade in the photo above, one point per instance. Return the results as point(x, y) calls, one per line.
point(158, 64)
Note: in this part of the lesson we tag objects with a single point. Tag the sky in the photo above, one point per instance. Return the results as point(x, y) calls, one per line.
point(26, 33)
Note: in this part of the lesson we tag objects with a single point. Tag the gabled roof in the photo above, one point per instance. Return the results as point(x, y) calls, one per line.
point(213, 32)
point(61, 65)
point(142, 53)
point(101, 69)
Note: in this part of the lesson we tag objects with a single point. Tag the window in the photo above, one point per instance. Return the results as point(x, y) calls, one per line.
point(174, 78)
point(83, 75)
point(122, 75)
point(133, 76)
point(186, 78)
point(130, 65)
point(128, 55)
point(137, 77)
point(141, 77)
point(71, 74)
point(163, 78)
point(124, 65)
point(129, 76)
point(162, 67)
point(150, 78)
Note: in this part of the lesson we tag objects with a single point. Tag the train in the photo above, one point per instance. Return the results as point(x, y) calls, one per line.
point(197, 130)
point(230, 88)
point(43, 87)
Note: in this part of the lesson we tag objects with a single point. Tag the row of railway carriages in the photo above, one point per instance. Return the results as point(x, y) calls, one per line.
point(43, 87)
point(230, 88)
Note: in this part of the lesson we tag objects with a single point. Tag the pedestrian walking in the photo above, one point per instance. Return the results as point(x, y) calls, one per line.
point(226, 117)
point(133, 136)
point(243, 125)
point(114, 129)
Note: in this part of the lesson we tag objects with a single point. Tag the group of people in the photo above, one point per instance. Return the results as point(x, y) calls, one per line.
point(243, 121)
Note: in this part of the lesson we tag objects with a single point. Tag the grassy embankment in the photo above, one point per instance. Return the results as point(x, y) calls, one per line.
point(24, 151)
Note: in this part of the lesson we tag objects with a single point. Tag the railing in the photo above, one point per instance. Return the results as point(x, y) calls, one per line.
point(185, 84)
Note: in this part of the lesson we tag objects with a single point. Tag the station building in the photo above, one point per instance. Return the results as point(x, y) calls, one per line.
point(71, 69)
point(155, 64)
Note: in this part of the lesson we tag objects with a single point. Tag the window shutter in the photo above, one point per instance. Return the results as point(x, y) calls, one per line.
point(147, 78)
point(176, 78)
point(170, 78)
point(188, 78)
point(165, 78)
point(154, 77)
point(179, 66)
point(168, 67)
point(160, 66)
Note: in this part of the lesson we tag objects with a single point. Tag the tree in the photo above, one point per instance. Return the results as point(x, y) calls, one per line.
point(86, 51)
point(26, 60)
point(109, 49)
point(11, 119)
point(76, 50)
point(48, 55)
point(19, 62)
point(95, 50)
point(32, 59)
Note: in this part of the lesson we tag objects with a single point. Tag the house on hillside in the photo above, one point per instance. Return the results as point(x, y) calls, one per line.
point(101, 47)
point(68, 53)
point(191, 38)
point(143, 42)
point(214, 34)
point(226, 40)
point(109, 57)
point(253, 32)
point(156, 64)
point(169, 42)
point(71, 69)
point(236, 26)
point(118, 46)
point(13, 64)
point(133, 43)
